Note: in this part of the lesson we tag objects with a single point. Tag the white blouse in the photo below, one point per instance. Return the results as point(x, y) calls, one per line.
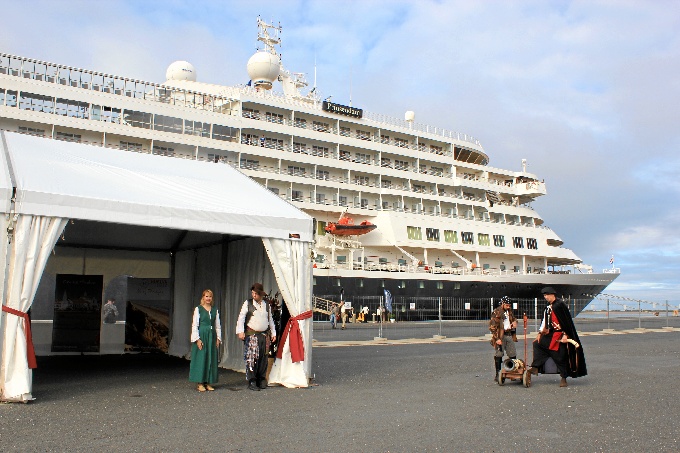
point(194, 325)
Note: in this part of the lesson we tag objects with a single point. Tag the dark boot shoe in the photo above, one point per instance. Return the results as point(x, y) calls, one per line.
point(253, 386)
point(563, 382)
point(262, 384)
point(498, 362)
point(533, 370)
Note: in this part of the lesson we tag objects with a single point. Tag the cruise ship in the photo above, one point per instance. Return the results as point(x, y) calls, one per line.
point(443, 222)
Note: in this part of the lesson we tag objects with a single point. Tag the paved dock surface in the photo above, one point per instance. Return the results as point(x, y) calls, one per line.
point(371, 398)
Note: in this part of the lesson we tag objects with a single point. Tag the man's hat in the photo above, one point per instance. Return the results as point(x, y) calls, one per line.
point(504, 300)
point(258, 288)
point(548, 290)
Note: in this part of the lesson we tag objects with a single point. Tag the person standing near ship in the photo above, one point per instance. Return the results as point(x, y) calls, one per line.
point(502, 326)
point(255, 326)
point(206, 334)
point(557, 339)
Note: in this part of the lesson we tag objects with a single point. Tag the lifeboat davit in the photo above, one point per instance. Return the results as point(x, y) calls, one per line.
point(346, 227)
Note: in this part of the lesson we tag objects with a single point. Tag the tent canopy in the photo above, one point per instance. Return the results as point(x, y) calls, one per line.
point(126, 200)
point(76, 181)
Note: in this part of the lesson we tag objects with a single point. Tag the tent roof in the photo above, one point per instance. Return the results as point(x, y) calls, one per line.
point(77, 181)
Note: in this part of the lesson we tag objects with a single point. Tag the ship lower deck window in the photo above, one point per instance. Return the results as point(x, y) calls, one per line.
point(432, 234)
point(414, 233)
point(421, 284)
point(483, 239)
point(467, 237)
point(451, 236)
point(73, 109)
point(137, 119)
point(197, 128)
point(68, 137)
point(518, 242)
point(11, 98)
point(499, 240)
point(32, 131)
point(456, 285)
point(532, 244)
point(106, 114)
point(440, 285)
point(130, 146)
point(163, 151)
point(320, 231)
point(167, 124)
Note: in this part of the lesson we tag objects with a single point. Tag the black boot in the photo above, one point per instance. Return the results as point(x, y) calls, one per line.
point(499, 362)
point(253, 385)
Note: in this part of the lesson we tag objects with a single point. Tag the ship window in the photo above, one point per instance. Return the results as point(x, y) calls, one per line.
point(32, 131)
point(299, 148)
point(321, 127)
point(274, 190)
point(72, 109)
point(320, 151)
point(518, 242)
point(451, 236)
point(130, 146)
point(456, 285)
point(250, 164)
point(336, 281)
point(250, 113)
point(167, 124)
point(363, 135)
point(322, 174)
point(11, 98)
point(320, 231)
point(163, 151)
point(343, 201)
point(105, 114)
point(360, 283)
point(300, 122)
point(414, 233)
point(532, 244)
point(314, 281)
point(36, 102)
point(137, 119)
point(361, 180)
point(2, 94)
point(483, 239)
point(274, 117)
point(400, 142)
point(432, 234)
point(364, 202)
point(421, 284)
point(385, 162)
point(197, 128)
point(437, 171)
point(436, 149)
point(296, 171)
point(418, 188)
point(321, 198)
point(344, 155)
point(345, 131)
point(224, 133)
point(385, 139)
point(401, 165)
point(499, 240)
point(362, 158)
point(467, 237)
point(296, 195)
point(68, 137)
point(386, 183)
point(402, 284)
point(440, 285)
point(271, 143)
point(382, 283)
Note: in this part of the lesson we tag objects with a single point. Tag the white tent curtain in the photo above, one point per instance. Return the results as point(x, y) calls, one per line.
point(34, 239)
point(291, 264)
point(246, 263)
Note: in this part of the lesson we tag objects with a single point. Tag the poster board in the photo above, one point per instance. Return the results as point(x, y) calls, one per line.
point(77, 313)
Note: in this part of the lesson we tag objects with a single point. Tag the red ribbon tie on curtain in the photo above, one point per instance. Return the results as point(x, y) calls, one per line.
point(297, 346)
point(30, 350)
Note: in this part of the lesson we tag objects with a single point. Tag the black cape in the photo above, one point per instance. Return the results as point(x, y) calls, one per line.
point(577, 359)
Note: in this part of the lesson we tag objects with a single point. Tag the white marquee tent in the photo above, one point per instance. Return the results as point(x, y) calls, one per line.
point(216, 222)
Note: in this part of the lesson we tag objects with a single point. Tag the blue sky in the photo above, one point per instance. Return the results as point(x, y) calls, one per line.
point(586, 91)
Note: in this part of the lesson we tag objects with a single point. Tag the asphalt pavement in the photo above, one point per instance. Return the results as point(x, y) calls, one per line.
point(378, 397)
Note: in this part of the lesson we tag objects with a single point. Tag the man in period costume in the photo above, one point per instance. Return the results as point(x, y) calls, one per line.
point(557, 338)
point(502, 326)
point(255, 326)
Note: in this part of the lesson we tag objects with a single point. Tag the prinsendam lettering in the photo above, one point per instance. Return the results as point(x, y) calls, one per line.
point(342, 109)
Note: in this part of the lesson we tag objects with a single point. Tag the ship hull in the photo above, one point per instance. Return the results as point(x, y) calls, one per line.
point(361, 285)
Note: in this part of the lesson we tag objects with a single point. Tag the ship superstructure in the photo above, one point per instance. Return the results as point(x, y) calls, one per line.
point(448, 223)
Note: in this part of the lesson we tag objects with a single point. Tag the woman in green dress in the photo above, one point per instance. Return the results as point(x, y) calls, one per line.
point(206, 334)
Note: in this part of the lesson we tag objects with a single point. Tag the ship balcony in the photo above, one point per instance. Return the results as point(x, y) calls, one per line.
point(531, 188)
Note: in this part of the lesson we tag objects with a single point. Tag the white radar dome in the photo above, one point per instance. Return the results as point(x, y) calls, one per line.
point(410, 115)
point(181, 70)
point(263, 69)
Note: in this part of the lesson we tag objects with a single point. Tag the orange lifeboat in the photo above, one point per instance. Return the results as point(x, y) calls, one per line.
point(345, 227)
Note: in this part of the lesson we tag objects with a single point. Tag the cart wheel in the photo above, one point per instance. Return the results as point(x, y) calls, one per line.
point(526, 378)
point(501, 378)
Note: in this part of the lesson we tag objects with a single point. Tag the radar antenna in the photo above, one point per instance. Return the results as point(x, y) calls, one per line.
point(269, 35)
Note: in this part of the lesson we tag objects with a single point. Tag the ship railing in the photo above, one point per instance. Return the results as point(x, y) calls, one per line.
point(97, 81)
